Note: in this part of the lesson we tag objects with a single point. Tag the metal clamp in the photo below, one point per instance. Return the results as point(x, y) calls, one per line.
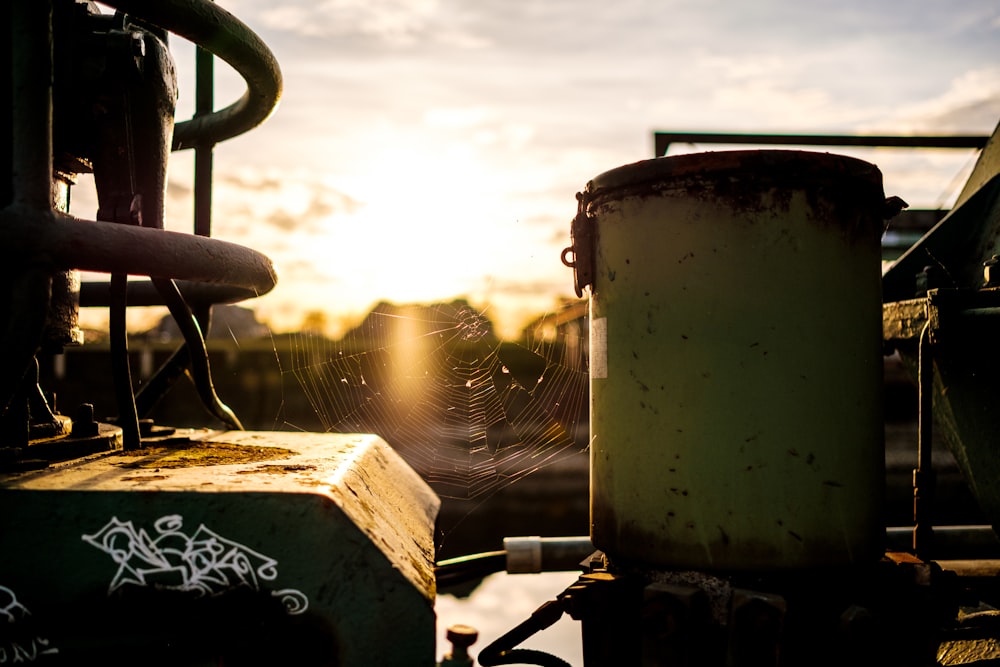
point(582, 247)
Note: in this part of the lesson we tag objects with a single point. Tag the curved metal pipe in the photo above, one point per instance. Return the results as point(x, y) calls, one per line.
point(65, 242)
point(128, 418)
point(142, 293)
point(195, 344)
point(213, 28)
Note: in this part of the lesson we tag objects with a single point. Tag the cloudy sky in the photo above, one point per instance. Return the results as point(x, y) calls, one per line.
point(429, 149)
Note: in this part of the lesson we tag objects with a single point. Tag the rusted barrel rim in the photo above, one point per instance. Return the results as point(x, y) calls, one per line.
point(787, 166)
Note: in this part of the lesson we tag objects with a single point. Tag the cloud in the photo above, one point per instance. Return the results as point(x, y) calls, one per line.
point(392, 23)
point(287, 202)
point(971, 103)
point(176, 189)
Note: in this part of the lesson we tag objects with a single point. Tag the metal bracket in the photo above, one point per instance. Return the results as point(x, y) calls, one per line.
point(582, 247)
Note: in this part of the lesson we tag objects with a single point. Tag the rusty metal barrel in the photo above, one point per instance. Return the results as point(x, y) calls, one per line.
point(736, 360)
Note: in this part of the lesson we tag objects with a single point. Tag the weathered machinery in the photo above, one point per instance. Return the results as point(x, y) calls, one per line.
point(131, 543)
point(738, 323)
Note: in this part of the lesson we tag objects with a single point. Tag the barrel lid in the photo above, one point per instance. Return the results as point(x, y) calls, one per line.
point(772, 167)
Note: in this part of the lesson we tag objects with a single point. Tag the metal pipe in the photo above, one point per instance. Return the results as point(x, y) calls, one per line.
point(143, 293)
point(208, 25)
point(30, 290)
point(195, 343)
point(31, 101)
point(204, 101)
point(546, 554)
point(950, 542)
point(128, 419)
point(162, 381)
point(923, 474)
point(66, 242)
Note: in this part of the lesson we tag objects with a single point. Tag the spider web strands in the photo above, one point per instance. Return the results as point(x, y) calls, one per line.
point(470, 413)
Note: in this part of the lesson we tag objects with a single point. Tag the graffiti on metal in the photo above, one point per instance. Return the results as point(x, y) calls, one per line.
point(26, 649)
point(204, 563)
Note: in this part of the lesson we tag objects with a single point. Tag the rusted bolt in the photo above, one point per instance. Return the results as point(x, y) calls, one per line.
point(146, 427)
point(84, 424)
point(461, 638)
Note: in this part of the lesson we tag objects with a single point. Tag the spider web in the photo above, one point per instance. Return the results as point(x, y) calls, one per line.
point(469, 412)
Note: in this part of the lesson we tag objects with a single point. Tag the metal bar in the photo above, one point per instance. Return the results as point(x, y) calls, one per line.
point(30, 290)
point(662, 140)
point(950, 542)
point(200, 369)
point(923, 475)
point(66, 242)
point(208, 25)
point(128, 419)
point(204, 103)
point(162, 381)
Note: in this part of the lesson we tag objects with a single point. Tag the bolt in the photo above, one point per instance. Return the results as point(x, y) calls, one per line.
point(461, 638)
point(84, 424)
point(755, 624)
point(146, 427)
point(991, 272)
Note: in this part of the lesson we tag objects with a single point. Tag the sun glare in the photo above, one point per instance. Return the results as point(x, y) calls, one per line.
point(422, 230)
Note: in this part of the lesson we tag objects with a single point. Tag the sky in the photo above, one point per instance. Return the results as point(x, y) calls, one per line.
point(426, 150)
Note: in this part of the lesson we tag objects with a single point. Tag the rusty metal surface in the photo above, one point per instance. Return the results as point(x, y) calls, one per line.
point(320, 555)
point(739, 177)
point(794, 231)
point(359, 473)
point(903, 320)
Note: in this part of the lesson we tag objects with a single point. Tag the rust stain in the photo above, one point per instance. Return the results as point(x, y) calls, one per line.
point(193, 454)
point(277, 469)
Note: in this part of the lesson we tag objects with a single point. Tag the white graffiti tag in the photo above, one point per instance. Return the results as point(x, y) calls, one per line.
point(26, 650)
point(204, 563)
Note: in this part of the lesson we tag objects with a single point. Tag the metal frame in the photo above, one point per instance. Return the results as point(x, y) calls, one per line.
point(663, 140)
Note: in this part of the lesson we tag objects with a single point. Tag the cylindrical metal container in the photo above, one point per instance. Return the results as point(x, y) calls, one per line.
point(736, 360)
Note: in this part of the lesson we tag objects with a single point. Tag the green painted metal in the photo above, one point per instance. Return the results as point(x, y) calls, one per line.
point(943, 280)
point(235, 548)
point(736, 361)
